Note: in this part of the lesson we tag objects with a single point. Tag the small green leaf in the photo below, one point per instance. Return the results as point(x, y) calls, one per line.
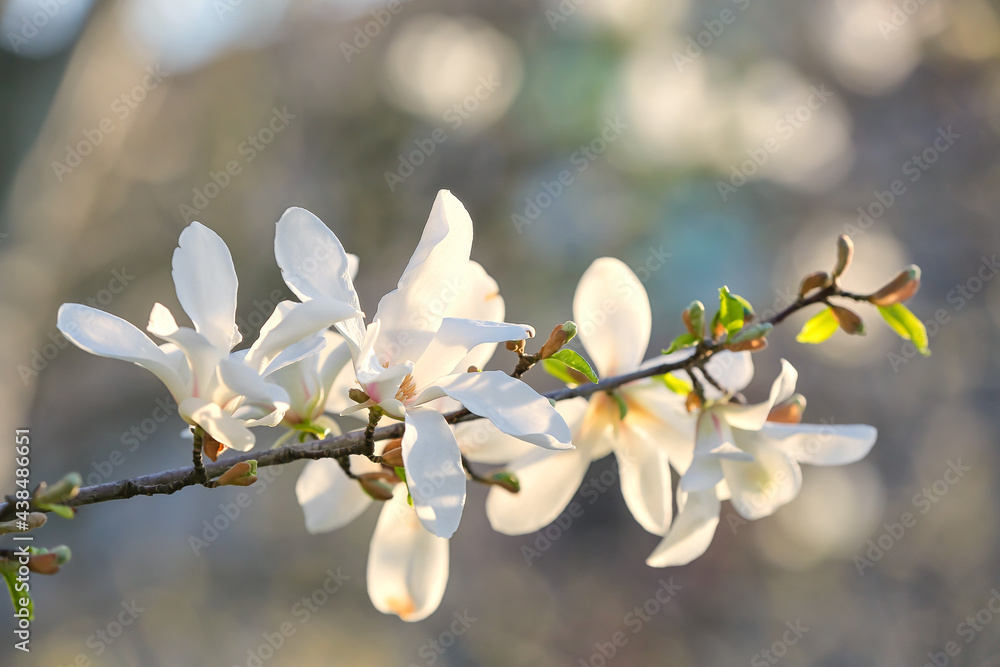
point(731, 313)
point(622, 405)
point(907, 325)
point(401, 473)
point(676, 384)
point(820, 327)
point(576, 362)
point(682, 341)
point(62, 510)
point(9, 573)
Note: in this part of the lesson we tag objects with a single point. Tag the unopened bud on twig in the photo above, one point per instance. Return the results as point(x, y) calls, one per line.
point(692, 402)
point(243, 473)
point(845, 251)
point(849, 321)
point(34, 520)
point(788, 411)
point(516, 346)
point(357, 395)
point(899, 289)
point(59, 492)
point(505, 480)
point(378, 485)
point(393, 454)
point(694, 319)
point(817, 280)
point(49, 562)
point(560, 335)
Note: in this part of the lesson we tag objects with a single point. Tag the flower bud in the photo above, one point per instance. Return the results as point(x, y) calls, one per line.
point(694, 319)
point(49, 562)
point(473, 369)
point(816, 280)
point(845, 251)
point(899, 289)
point(755, 345)
point(357, 395)
point(788, 411)
point(34, 520)
point(211, 447)
point(505, 480)
point(753, 332)
point(243, 473)
point(560, 336)
point(393, 454)
point(693, 402)
point(61, 491)
point(378, 485)
point(516, 346)
point(849, 321)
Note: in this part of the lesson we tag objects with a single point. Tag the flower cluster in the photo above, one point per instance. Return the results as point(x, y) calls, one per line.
point(421, 357)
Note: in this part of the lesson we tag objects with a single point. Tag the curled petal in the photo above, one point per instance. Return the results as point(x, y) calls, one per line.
point(692, 531)
point(108, 336)
point(822, 444)
point(514, 407)
point(315, 266)
point(217, 423)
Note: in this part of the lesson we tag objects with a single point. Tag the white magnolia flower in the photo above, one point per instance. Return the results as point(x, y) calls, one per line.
point(223, 394)
point(407, 565)
point(744, 455)
point(411, 353)
point(613, 316)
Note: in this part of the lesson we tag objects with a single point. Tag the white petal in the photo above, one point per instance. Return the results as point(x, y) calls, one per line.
point(692, 531)
point(514, 407)
point(217, 423)
point(407, 566)
point(206, 284)
point(455, 339)
point(644, 469)
point(202, 355)
point(822, 444)
point(237, 385)
point(292, 322)
point(663, 415)
point(761, 486)
point(108, 336)
point(329, 498)
point(411, 313)
point(483, 442)
point(753, 417)
point(480, 301)
point(732, 370)
point(314, 265)
point(549, 480)
point(611, 309)
point(434, 471)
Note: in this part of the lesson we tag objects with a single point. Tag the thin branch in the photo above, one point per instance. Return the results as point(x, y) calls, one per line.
point(360, 442)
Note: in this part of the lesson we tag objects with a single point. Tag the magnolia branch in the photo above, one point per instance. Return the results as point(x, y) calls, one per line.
point(359, 442)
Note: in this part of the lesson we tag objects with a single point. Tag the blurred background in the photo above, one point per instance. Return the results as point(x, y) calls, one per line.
point(720, 142)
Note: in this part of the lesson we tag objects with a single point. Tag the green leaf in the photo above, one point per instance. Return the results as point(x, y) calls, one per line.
point(907, 325)
point(676, 384)
point(9, 573)
point(622, 406)
point(731, 313)
point(820, 327)
point(401, 473)
point(62, 510)
point(682, 341)
point(576, 362)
